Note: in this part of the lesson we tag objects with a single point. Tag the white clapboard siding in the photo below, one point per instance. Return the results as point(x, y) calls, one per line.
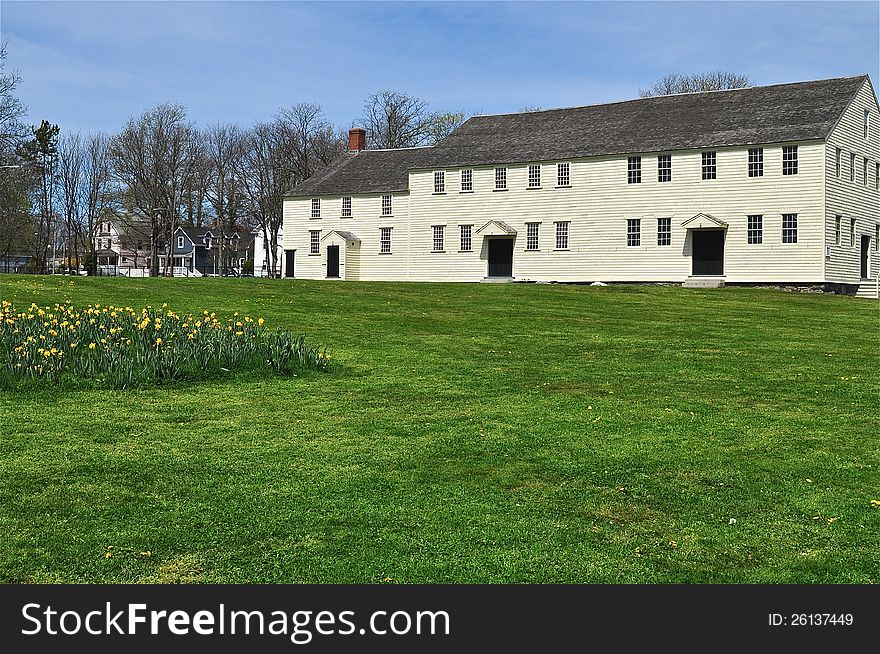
point(597, 206)
point(853, 199)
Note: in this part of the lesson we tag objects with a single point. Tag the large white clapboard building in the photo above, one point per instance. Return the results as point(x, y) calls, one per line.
point(773, 184)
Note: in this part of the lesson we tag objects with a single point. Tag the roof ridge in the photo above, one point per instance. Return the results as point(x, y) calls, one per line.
point(670, 95)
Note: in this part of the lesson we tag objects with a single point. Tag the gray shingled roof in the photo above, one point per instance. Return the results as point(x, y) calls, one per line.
point(369, 171)
point(801, 111)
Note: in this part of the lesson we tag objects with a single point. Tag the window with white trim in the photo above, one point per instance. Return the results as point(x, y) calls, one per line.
point(710, 168)
point(755, 229)
point(346, 207)
point(837, 161)
point(852, 232)
point(532, 235)
point(385, 240)
point(789, 228)
point(467, 180)
point(562, 235)
point(876, 238)
point(877, 176)
point(633, 232)
point(437, 244)
point(789, 159)
point(316, 207)
point(466, 241)
point(500, 179)
point(664, 168)
point(633, 170)
point(664, 231)
point(867, 122)
point(837, 230)
point(563, 174)
point(534, 175)
point(439, 182)
point(852, 166)
point(865, 170)
point(179, 242)
point(756, 162)
point(386, 205)
point(315, 241)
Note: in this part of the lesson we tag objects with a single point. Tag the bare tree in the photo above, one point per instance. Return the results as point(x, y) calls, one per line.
point(444, 124)
point(224, 192)
point(97, 192)
point(12, 130)
point(152, 156)
point(17, 225)
point(84, 193)
point(718, 80)
point(71, 191)
point(266, 170)
point(17, 182)
point(396, 120)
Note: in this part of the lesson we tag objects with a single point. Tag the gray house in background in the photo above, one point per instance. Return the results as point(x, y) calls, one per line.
point(198, 251)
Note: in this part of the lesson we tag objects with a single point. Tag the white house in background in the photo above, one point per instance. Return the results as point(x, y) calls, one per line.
point(261, 263)
point(122, 246)
point(773, 184)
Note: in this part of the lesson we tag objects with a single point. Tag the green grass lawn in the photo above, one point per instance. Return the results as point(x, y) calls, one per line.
point(468, 433)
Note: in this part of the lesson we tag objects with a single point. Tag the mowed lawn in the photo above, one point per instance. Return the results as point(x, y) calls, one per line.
point(469, 433)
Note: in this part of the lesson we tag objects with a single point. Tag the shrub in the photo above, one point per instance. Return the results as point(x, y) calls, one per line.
point(120, 347)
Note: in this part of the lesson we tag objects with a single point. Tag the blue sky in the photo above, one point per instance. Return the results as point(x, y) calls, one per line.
point(89, 66)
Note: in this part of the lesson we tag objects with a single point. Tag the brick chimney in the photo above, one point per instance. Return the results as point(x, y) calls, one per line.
point(357, 139)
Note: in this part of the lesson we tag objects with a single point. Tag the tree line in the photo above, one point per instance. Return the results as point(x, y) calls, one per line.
point(162, 171)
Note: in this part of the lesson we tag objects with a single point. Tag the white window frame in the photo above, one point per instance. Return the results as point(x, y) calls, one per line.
point(837, 155)
point(837, 228)
point(179, 242)
point(789, 228)
point(633, 232)
point(467, 180)
point(316, 208)
point(664, 231)
point(865, 171)
point(385, 240)
point(345, 212)
point(314, 241)
point(534, 175)
point(562, 234)
point(386, 205)
point(755, 229)
point(501, 178)
point(867, 124)
point(789, 160)
point(439, 181)
point(852, 166)
point(664, 168)
point(533, 236)
point(756, 162)
point(709, 161)
point(634, 170)
point(852, 232)
point(465, 233)
point(563, 174)
point(438, 238)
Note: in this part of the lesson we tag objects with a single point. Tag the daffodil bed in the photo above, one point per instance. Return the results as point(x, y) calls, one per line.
point(122, 347)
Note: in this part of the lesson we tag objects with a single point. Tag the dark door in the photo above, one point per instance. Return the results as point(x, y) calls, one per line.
point(332, 261)
point(289, 258)
point(866, 247)
point(708, 252)
point(501, 257)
